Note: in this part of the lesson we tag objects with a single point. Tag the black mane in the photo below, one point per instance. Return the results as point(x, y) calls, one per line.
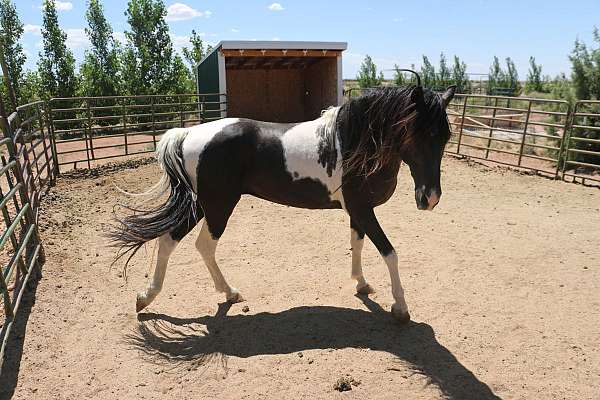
point(375, 126)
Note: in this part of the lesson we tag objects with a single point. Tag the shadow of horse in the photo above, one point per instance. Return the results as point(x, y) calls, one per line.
point(197, 341)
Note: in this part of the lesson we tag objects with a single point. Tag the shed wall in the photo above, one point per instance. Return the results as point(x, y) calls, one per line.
point(208, 82)
point(321, 83)
point(282, 95)
point(266, 95)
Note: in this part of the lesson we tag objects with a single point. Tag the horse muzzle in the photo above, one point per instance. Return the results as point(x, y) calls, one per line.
point(427, 199)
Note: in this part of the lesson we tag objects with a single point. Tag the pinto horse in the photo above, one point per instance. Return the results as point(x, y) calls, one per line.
point(347, 159)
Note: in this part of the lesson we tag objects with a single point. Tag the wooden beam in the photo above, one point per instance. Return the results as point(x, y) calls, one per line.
point(280, 53)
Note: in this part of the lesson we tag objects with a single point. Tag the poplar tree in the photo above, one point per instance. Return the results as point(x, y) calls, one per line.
point(444, 72)
point(194, 54)
point(367, 74)
point(534, 76)
point(11, 30)
point(148, 59)
point(56, 65)
point(496, 75)
point(428, 73)
point(512, 76)
point(100, 73)
point(459, 76)
point(399, 78)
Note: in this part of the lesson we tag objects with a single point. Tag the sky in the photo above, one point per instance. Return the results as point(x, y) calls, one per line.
point(391, 32)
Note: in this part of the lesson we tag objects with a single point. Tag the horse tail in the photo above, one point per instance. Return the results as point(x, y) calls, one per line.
point(143, 225)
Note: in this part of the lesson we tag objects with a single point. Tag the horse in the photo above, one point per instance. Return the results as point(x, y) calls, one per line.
point(348, 159)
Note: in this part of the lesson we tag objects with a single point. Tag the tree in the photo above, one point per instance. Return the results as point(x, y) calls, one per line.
point(412, 78)
point(197, 52)
point(367, 75)
point(31, 87)
point(444, 73)
point(182, 81)
point(100, 69)
point(512, 76)
point(399, 78)
point(57, 64)
point(148, 60)
point(11, 30)
point(428, 73)
point(496, 76)
point(459, 76)
point(534, 77)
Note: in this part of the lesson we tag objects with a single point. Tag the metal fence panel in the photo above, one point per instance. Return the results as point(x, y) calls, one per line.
point(86, 129)
point(20, 246)
point(582, 147)
point(527, 133)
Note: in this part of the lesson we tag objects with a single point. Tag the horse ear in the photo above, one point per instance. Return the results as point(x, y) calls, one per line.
point(448, 95)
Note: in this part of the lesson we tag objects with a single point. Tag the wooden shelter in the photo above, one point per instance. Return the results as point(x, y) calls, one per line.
point(274, 80)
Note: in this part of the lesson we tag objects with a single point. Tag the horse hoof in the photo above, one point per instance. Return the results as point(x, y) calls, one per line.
point(139, 304)
point(365, 289)
point(235, 297)
point(400, 316)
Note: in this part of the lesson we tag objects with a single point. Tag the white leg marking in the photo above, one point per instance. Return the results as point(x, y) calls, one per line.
point(166, 245)
point(397, 291)
point(357, 273)
point(207, 246)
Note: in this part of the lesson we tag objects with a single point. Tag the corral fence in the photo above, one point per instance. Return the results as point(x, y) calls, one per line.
point(546, 136)
point(27, 169)
point(87, 129)
point(549, 137)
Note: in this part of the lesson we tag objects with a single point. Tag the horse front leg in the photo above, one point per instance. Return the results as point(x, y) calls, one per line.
point(366, 219)
point(357, 239)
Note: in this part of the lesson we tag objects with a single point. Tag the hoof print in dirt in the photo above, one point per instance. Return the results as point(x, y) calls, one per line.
point(345, 383)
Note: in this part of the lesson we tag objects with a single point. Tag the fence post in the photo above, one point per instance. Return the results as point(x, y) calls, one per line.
point(567, 139)
point(41, 123)
point(153, 121)
point(561, 148)
point(89, 130)
point(50, 122)
point(462, 122)
point(524, 133)
point(492, 123)
point(180, 111)
point(201, 109)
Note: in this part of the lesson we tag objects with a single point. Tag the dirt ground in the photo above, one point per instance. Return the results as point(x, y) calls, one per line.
point(502, 281)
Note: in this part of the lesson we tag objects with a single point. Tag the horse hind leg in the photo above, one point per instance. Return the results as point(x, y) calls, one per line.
point(166, 245)
point(218, 206)
point(207, 246)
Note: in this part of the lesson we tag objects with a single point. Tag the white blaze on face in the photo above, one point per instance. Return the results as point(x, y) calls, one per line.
point(195, 142)
point(301, 152)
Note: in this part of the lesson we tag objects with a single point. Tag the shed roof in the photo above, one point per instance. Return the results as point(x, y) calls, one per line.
point(279, 45)
point(291, 51)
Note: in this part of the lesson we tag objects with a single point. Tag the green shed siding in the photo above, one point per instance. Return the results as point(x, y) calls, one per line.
point(208, 82)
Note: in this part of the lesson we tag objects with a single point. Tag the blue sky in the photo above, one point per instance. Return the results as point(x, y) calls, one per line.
point(392, 32)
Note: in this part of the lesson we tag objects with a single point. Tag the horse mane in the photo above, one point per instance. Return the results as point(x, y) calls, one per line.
point(376, 126)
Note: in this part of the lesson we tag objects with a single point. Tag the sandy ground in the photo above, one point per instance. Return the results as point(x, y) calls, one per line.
point(502, 280)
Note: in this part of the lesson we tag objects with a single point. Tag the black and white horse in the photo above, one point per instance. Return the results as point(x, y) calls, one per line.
point(347, 159)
